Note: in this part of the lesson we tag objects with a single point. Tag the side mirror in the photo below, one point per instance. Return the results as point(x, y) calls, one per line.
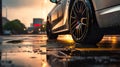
point(53, 1)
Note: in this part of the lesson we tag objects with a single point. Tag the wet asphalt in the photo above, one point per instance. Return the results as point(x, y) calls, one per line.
point(38, 51)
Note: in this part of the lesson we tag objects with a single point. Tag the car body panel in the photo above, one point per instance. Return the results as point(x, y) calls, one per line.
point(107, 12)
point(106, 18)
point(58, 16)
point(61, 12)
point(103, 4)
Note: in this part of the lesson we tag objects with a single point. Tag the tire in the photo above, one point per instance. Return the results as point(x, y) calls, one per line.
point(83, 27)
point(50, 35)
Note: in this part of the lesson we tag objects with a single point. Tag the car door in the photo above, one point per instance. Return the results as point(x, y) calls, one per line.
point(102, 4)
point(107, 12)
point(61, 5)
point(55, 16)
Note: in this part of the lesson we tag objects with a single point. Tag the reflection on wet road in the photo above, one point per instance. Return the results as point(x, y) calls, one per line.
point(104, 54)
point(23, 51)
point(37, 51)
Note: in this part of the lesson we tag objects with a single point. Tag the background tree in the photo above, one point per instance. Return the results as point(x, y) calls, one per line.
point(15, 26)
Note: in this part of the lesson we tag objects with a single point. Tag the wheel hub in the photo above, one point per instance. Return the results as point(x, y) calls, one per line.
point(81, 23)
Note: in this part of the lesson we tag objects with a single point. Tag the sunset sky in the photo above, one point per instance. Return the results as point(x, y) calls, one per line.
point(26, 10)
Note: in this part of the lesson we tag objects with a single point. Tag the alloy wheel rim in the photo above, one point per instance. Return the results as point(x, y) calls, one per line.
point(79, 18)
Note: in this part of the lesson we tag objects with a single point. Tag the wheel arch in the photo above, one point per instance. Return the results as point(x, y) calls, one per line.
point(92, 10)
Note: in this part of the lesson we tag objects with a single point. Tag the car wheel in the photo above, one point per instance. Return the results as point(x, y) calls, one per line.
point(83, 26)
point(50, 35)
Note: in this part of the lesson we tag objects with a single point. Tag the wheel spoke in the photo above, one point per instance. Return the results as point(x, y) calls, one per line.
point(73, 31)
point(81, 7)
point(76, 9)
point(78, 32)
point(73, 17)
point(73, 22)
point(78, 6)
point(73, 27)
point(73, 12)
point(83, 11)
point(81, 30)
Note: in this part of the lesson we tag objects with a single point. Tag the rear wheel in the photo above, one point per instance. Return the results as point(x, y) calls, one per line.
point(50, 35)
point(83, 26)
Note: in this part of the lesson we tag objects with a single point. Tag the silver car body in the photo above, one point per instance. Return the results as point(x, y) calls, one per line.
point(107, 13)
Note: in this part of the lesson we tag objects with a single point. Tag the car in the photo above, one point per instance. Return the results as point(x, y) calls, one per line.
point(7, 32)
point(86, 20)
